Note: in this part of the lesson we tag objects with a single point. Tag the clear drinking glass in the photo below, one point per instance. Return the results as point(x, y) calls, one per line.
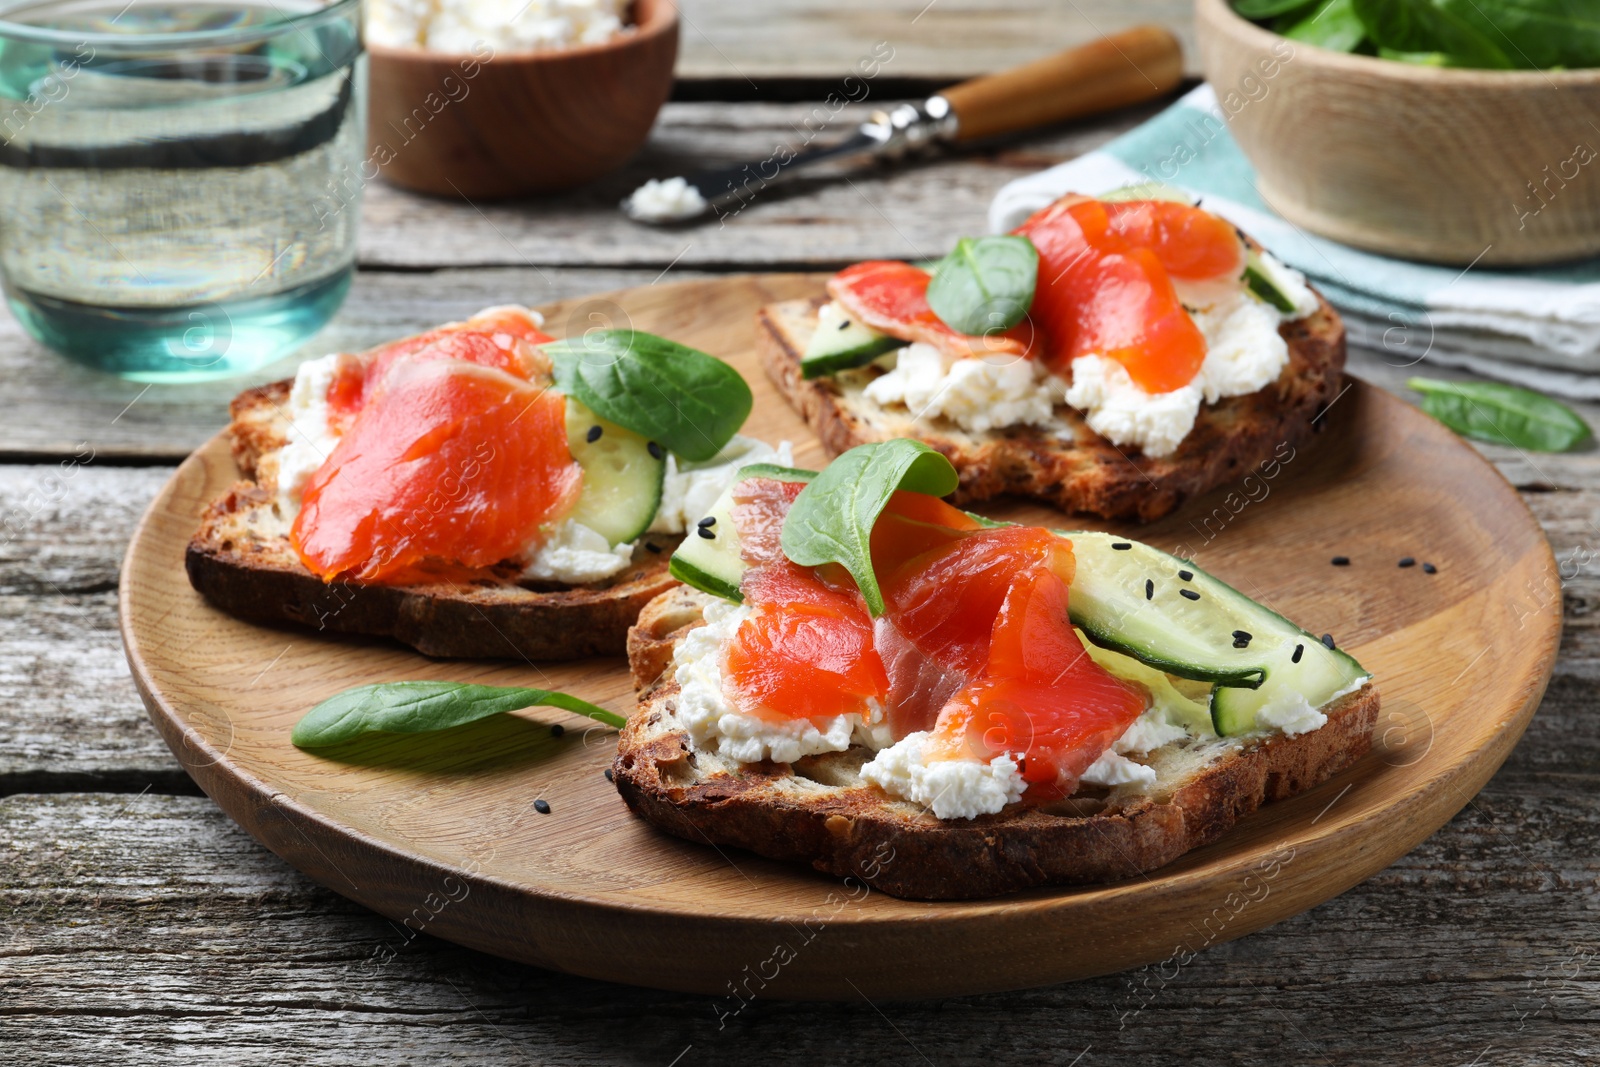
point(176, 193)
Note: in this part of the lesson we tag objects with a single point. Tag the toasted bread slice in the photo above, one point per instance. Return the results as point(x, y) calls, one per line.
point(1069, 465)
point(241, 561)
point(819, 810)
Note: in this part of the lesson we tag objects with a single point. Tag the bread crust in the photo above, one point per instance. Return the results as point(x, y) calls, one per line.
point(1086, 473)
point(240, 560)
point(819, 812)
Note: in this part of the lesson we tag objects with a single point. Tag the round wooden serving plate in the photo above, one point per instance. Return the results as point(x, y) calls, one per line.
point(440, 834)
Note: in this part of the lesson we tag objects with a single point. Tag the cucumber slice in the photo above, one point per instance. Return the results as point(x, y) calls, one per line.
point(1258, 277)
point(1191, 638)
point(1148, 191)
point(841, 343)
point(1165, 698)
point(622, 476)
point(1197, 638)
point(713, 564)
point(1320, 675)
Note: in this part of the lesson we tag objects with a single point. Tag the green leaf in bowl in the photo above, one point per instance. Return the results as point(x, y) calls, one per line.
point(1332, 24)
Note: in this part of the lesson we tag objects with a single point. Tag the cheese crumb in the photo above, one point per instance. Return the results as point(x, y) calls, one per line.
point(977, 393)
point(953, 789)
point(576, 555)
point(1126, 415)
point(665, 200)
point(690, 489)
point(310, 440)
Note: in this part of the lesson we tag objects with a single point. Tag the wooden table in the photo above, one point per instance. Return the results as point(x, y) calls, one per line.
point(139, 925)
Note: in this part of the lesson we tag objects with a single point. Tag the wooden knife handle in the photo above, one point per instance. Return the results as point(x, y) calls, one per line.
point(1125, 68)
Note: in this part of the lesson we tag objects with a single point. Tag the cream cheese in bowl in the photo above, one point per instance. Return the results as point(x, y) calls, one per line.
point(513, 25)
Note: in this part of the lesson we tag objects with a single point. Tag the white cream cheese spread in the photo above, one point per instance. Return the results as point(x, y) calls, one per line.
point(977, 393)
point(458, 26)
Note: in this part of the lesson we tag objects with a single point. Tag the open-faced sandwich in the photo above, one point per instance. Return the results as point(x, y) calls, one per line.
point(1112, 356)
point(858, 670)
point(476, 490)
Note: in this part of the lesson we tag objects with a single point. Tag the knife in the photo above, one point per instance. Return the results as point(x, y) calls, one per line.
point(1126, 68)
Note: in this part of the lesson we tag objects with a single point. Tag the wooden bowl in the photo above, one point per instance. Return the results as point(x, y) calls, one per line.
point(501, 123)
point(1419, 162)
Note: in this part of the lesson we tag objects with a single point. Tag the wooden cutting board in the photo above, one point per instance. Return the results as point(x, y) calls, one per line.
point(440, 833)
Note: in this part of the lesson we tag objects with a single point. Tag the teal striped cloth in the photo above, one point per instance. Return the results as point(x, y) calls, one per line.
point(1537, 327)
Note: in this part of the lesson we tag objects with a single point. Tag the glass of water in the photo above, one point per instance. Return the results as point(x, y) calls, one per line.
point(177, 193)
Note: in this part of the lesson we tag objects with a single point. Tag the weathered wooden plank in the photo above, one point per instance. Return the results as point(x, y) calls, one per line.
point(58, 409)
point(151, 930)
point(913, 210)
point(746, 45)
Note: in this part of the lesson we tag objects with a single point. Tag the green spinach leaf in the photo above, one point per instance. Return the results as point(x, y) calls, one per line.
point(1502, 414)
point(831, 520)
point(677, 396)
point(1458, 30)
point(1332, 24)
point(1266, 9)
point(985, 284)
point(418, 707)
point(1502, 34)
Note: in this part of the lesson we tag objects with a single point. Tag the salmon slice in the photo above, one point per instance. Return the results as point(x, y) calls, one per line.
point(892, 298)
point(1041, 699)
point(759, 507)
point(503, 337)
point(942, 603)
point(976, 644)
point(450, 462)
point(1098, 292)
point(807, 653)
point(1190, 243)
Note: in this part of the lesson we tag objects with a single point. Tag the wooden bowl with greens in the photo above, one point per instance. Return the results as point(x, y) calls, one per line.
point(1450, 131)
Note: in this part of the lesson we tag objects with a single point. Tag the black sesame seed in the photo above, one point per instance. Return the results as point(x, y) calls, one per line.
point(1187, 576)
point(594, 434)
point(656, 452)
point(1190, 593)
point(1408, 562)
point(542, 807)
point(709, 520)
point(1149, 589)
point(609, 776)
point(1242, 635)
point(1428, 568)
point(706, 532)
point(1341, 561)
point(651, 546)
point(557, 730)
point(1299, 650)
point(1122, 546)
point(1327, 640)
